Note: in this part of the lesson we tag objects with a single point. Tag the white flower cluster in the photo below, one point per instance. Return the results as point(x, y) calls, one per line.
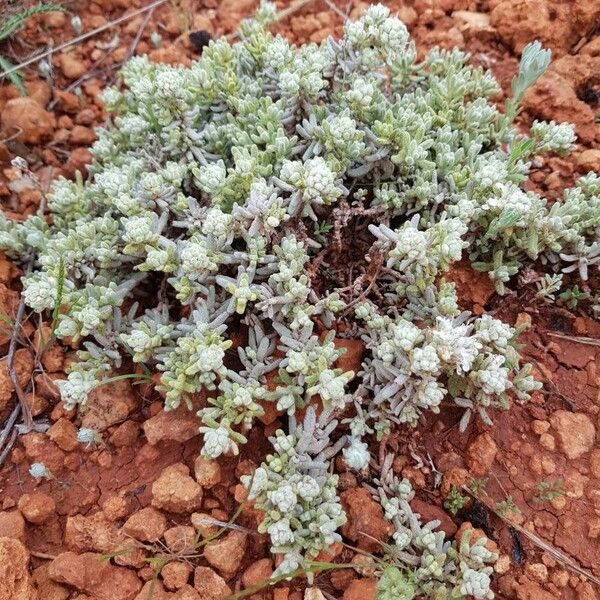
point(237, 407)
point(315, 183)
point(404, 377)
point(307, 371)
point(75, 389)
point(357, 454)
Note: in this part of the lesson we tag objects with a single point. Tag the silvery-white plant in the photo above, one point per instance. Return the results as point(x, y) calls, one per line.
point(241, 211)
point(297, 493)
point(423, 562)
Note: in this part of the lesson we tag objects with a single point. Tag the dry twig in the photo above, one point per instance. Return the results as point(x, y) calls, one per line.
point(82, 37)
point(138, 35)
point(574, 338)
point(8, 428)
point(27, 418)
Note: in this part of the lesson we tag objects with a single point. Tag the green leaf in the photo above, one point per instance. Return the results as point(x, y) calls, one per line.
point(521, 149)
point(60, 288)
point(15, 76)
point(482, 267)
point(534, 62)
point(454, 386)
point(506, 219)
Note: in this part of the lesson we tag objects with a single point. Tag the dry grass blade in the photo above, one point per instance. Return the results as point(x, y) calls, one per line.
point(27, 418)
point(294, 7)
point(9, 430)
point(555, 553)
point(577, 339)
point(336, 10)
point(138, 35)
point(82, 37)
point(9, 423)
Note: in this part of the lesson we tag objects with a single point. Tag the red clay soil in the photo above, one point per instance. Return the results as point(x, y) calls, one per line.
point(143, 493)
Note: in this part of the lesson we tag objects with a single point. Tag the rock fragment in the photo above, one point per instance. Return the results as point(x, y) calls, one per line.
point(481, 454)
point(15, 581)
point(91, 574)
point(94, 533)
point(209, 584)
point(146, 525)
point(575, 432)
point(257, 572)
point(226, 553)
point(361, 589)
point(64, 434)
point(108, 405)
point(175, 491)
point(180, 538)
point(175, 574)
point(366, 525)
point(37, 507)
point(207, 472)
point(27, 120)
point(179, 425)
point(12, 525)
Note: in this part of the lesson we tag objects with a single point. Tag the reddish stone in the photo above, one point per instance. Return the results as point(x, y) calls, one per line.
point(64, 434)
point(226, 553)
point(175, 491)
point(37, 507)
point(430, 512)
point(179, 425)
point(209, 585)
point(15, 582)
point(361, 589)
point(12, 525)
point(366, 525)
point(91, 574)
point(146, 525)
point(481, 454)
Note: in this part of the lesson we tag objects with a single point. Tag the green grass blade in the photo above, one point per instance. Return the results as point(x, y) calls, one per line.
point(15, 77)
point(12, 24)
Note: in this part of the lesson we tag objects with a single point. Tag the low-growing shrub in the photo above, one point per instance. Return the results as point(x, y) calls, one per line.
point(245, 213)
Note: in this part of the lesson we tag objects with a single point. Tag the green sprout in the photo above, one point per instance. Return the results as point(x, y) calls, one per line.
point(549, 490)
point(455, 501)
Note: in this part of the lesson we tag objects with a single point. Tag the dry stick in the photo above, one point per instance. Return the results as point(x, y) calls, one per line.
point(42, 555)
point(90, 73)
point(286, 12)
point(8, 427)
point(27, 418)
point(9, 445)
point(577, 339)
point(82, 37)
point(138, 35)
point(547, 379)
point(336, 10)
point(13, 136)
